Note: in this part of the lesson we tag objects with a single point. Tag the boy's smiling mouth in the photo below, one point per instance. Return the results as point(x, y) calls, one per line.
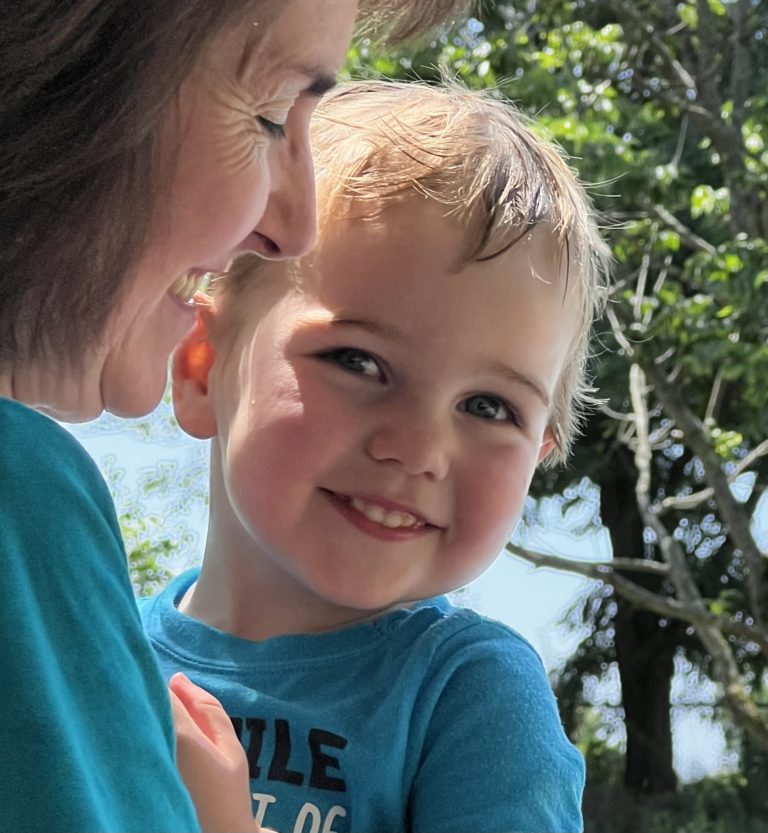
point(379, 512)
point(376, 512)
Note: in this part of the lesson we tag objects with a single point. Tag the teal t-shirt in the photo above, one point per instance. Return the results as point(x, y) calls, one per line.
point(428, 720)
point(86, 739)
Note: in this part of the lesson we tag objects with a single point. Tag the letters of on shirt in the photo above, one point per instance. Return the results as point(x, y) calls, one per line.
point(323, 774)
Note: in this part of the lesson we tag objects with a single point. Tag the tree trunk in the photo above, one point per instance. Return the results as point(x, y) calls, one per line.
point(646, 666)
point(644, 652)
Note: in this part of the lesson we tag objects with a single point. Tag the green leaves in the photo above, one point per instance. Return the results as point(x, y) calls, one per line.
point(726, 443)
point(708, 200)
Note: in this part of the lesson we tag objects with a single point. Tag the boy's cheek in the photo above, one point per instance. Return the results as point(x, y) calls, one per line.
point(492, 500)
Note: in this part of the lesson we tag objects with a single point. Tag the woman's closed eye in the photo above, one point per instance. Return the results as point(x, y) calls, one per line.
point(276, 129)
point(355, 361)
point(492, 408)
point(273, 117)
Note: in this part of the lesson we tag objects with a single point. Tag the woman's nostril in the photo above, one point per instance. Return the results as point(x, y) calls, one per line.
point(267, 246)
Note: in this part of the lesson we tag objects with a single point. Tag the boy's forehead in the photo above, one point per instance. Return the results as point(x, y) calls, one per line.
point(404, 271)
point(417, 237)
point(350, 246)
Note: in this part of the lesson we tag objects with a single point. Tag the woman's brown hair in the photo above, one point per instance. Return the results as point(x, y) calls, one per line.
point(84, 86)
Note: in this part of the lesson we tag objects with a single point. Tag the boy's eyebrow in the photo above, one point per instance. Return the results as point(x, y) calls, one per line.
point(372, 326)
point(497, 368)
point(501, 369)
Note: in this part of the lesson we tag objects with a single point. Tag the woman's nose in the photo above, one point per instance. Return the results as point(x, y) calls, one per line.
point(288, 226)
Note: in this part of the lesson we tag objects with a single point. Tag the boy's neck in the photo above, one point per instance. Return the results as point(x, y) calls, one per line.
point(256, 610)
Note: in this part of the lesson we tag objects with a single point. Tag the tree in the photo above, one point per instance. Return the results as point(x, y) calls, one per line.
point(664, 106)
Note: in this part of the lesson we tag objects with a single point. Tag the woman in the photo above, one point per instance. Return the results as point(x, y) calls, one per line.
point(141, 145)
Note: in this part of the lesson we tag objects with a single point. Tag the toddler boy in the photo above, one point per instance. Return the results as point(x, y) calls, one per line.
point(377, 411)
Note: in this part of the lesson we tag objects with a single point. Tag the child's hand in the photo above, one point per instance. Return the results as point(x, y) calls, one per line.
point(211, 760)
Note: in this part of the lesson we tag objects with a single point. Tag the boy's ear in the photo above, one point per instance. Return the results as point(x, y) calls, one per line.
point(547, 444)
point(192, 362)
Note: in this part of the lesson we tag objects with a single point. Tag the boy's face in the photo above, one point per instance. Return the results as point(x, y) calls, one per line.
point(379, 431)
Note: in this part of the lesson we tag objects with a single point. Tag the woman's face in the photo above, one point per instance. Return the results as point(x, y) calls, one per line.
point(235, 175)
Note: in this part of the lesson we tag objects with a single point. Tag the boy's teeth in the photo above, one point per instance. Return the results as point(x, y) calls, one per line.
point(186, 285)
point(380, 515)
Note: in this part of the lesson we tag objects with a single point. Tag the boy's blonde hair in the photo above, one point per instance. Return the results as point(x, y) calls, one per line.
point(378, 142)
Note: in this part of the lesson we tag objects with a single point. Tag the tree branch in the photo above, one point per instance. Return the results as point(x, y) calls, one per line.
point(693, 500)
point(590, 569)
point(741, 61)
point(663, 606)
point(708, 629)
point(627, 13)
point(683, 132)
point(692, 240)
point(708, 58)
point(733, 514)
point(713, 405)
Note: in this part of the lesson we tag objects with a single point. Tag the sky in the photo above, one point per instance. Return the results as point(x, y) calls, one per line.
point(530, 600)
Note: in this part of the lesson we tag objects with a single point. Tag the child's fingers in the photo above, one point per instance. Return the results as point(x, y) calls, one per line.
point(201, 708)
point(204, 732)
point(186, 729)
point(190, 694)
point(210, 759)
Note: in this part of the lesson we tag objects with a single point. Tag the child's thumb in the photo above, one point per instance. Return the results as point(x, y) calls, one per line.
point(202, 708)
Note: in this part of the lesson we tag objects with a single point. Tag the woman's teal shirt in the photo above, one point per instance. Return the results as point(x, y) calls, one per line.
point(86, 739)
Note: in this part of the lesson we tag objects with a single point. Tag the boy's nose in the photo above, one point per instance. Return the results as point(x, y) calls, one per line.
point(417, 444)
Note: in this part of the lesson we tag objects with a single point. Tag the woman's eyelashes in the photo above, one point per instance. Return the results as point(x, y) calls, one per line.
point(272, 120)
point(275, 129)
point(355, 361)
point(492, 408)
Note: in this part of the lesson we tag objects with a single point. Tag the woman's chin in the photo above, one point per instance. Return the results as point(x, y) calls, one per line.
point(136, 399)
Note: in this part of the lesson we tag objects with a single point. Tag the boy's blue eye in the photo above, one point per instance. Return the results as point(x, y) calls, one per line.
point(355, 361)
point(277, 131)
point(490, 407)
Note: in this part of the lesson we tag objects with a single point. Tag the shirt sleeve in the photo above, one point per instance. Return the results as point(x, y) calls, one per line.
point(495, 756)
point(86, 740)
